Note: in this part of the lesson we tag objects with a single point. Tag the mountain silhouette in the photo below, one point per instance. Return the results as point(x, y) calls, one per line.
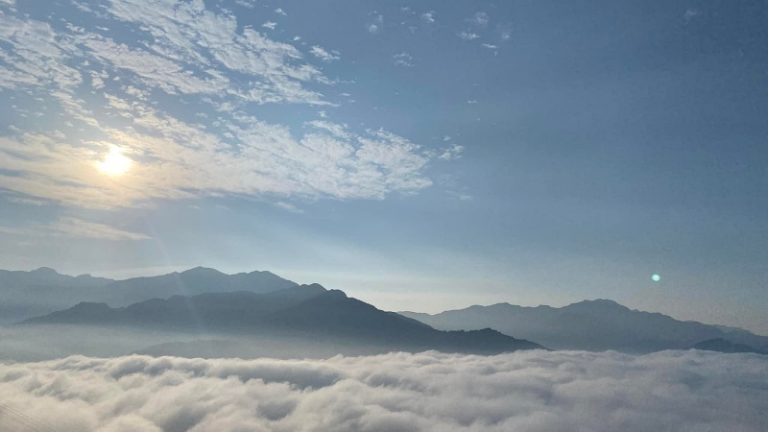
point(303, 311)
point(29, 293)
point(726, 346)
point(593, 325)
point(32, 293)
point(198, 280)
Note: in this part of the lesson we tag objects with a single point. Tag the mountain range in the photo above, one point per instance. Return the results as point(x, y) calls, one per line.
point(205, 303)
point(299, 312)
point(26, 294)
point(595, 325)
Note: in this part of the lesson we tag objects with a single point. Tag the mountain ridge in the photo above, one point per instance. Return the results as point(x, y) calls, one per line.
point(595, 325)
point(308, 312)
point(37, 292)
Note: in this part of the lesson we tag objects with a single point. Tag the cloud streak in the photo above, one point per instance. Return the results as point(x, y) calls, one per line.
point(323, 54)
point(531, 391)
point(76, 228)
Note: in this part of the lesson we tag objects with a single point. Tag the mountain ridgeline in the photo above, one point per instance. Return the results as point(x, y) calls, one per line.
point(302, 312)
point(596, 325)
point(42, 291)
point(257, 310)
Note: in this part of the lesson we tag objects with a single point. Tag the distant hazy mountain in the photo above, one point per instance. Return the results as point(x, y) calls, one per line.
point(26, 294)
point(306, 311)
point(29, 293)
point(198, 280)
point(726, 346)
point(589, 325)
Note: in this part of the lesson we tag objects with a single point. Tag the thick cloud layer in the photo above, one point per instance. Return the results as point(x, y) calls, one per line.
point(527, 391)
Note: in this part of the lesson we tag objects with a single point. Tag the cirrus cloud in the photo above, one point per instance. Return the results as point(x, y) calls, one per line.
point(74, 227)
point(183, 98)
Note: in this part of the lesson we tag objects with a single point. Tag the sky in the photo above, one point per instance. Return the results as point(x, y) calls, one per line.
point(420, 156)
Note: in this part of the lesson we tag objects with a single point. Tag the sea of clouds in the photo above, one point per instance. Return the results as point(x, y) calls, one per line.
point(525, 391)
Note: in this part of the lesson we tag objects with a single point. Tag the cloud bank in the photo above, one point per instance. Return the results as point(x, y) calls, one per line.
point(527, 391)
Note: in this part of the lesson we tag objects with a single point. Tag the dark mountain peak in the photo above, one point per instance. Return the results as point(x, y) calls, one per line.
point(502, 305)
point(726, 346)
point(600, 301)
point(45, 271)
point(262, 273)
point(334, 293)
point(598, 324)
point(81, 312)
point(597, 305)
point(486, 331)
point(90, 307)
point(486, 341)
point(201, 271)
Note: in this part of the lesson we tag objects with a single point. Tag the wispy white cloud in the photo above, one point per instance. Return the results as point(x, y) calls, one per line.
point(280, 11)
point(176, 159)
point(37, 57)
point(75, 228)
point(428, 17)
point(453, 152)
point(505, 33)
point(271, 25)
point(479, 28)
point(480, 19)
point(403, 59)
point(155, 70)
point(376, 25)
point(289, 207)
point(690, 14)
point(196, 57)
point(336, 130)
point(323, 54)
point(527, 391)
point(210, 44)
point(459, 195)
point(250, 4)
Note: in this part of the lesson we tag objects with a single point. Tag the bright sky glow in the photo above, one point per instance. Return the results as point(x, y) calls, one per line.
point(115, 163)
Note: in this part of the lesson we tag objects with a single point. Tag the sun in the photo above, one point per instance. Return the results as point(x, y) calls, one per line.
point(115, 163)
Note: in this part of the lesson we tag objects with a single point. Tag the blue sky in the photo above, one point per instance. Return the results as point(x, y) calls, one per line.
point(421, 156)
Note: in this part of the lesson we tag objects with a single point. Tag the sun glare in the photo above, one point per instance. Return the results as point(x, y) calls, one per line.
point(115, 163)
